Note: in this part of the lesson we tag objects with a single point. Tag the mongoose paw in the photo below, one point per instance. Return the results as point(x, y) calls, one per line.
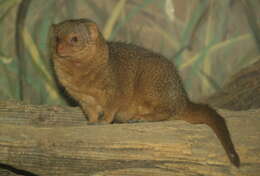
point(102, 122)
point(93, 123)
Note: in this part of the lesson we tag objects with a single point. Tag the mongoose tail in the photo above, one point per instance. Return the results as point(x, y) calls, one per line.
point(203, 114)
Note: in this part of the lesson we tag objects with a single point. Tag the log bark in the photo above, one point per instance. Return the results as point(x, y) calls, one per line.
point(240, 92)
point(53, 140)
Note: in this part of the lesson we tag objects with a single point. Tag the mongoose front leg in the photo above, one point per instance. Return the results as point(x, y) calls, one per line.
point(91, 112)
point(109, 116)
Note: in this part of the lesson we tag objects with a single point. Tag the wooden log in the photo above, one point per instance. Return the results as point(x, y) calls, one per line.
point(51, 140)
point(240, 92)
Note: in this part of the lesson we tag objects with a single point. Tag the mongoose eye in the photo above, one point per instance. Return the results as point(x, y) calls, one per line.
point(74, 39)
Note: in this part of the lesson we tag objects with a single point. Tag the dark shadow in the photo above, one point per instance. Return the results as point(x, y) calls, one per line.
point(16, 171)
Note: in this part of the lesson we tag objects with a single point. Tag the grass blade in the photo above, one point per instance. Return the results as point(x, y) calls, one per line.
point(113, 18)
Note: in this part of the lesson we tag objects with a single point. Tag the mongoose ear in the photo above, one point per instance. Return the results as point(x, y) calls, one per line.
point(93, 30)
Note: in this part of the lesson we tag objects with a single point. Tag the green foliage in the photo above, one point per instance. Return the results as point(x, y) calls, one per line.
point(134, 11)
point(198, 37)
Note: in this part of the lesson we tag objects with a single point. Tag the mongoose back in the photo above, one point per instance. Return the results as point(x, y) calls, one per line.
point(122, 82)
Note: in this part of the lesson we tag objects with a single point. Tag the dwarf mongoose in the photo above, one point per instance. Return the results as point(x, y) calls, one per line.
point(125, 82)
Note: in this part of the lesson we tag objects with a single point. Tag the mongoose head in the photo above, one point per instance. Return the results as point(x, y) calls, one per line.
point(75, 38)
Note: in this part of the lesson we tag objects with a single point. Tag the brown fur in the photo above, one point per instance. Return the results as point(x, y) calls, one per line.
point(125, 82)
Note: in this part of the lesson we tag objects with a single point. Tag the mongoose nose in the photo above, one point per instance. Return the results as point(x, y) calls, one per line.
point(61, 49)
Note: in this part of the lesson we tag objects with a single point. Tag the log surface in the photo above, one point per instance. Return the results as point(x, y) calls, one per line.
point(240, 92)
point(52, 140)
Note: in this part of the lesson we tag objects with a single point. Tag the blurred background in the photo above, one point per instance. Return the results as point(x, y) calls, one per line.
point(208, 40)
